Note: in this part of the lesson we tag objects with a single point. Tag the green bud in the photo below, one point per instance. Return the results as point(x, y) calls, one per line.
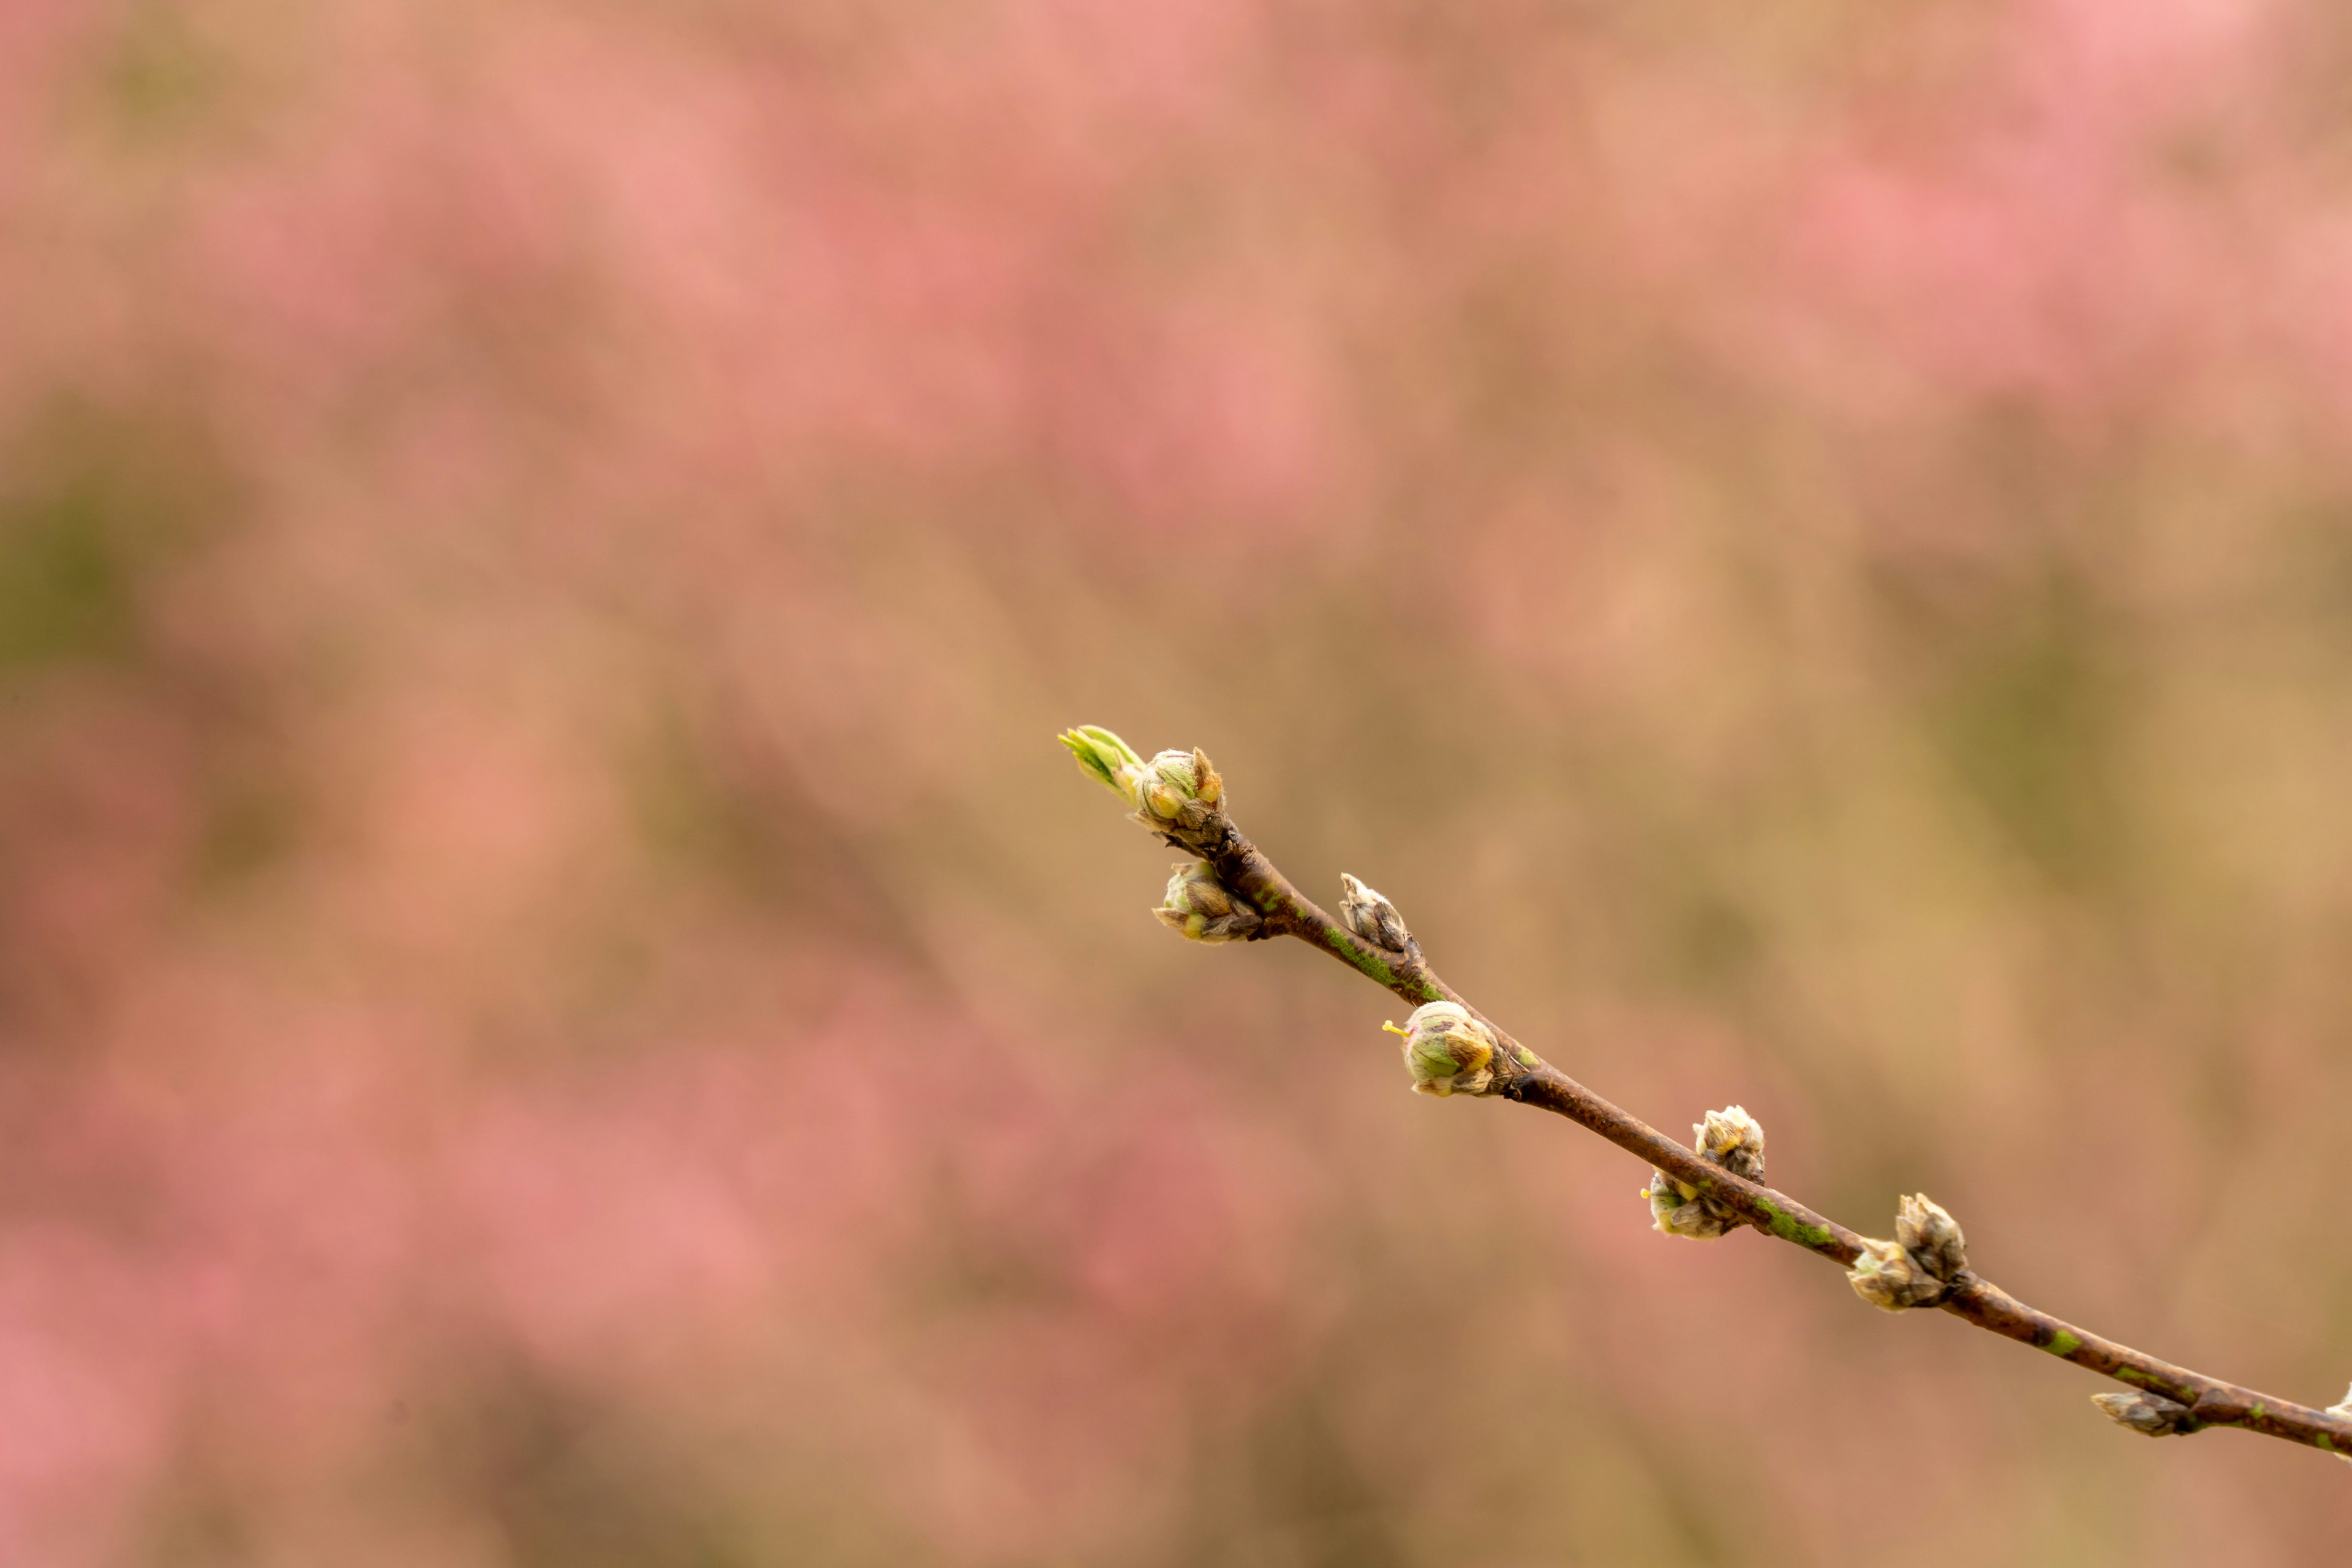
point(1176, 794)
point(1107, 758)
point(1197, 905)
point(1447, 1050)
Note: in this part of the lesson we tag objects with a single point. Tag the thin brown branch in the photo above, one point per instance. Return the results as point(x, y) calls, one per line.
point(1199, 827)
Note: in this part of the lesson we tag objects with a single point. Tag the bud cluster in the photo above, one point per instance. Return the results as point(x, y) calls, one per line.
point(1447, 1050)
point(1730, 1138)
point(1919, 1267)
point(1198, 905)
point(1175, 793)
point(1367, 912)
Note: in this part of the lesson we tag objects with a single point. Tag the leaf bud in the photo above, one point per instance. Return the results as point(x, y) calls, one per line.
point(1109, 759)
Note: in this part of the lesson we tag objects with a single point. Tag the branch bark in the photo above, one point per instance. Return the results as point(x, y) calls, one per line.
point(2166, 1399)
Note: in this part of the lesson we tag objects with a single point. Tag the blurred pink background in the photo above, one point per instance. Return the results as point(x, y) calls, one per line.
point(559, 1004)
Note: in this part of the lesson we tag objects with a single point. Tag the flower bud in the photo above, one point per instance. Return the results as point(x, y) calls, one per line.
point(1919, 1267)
point(2149, 1415)
point(1886, 1277)
point(1369, 915)
point(1678, 1208)
point(2344, 1410)
point(1447, 1050)
point(1172, 782)
point(1197, 904)
point(1734, 1140)
point(1932, 1237)
point(1730, 1138)
point(1107, 758)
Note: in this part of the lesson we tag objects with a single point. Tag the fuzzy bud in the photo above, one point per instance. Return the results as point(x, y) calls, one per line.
point(1734, 1140)
point(1447, 1050)
point(1919, 1267)
point(1197, 905)
point(1932, 1237)
point(1678, 1208)
point(1367, 912)
point(1173, 781)
point(1730, 1138)
point(1886, 1277)
point(2149, 1415)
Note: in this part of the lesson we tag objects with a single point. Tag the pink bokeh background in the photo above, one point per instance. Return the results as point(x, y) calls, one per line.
point(559, 1005)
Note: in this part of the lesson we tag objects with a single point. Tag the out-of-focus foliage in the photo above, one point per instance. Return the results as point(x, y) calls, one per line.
point(559, 1004)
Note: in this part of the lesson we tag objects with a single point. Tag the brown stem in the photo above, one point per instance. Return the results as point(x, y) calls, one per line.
point(1526, 1078)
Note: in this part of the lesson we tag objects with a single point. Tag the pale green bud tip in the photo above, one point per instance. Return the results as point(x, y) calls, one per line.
point(2149, 1415)
point(2344, 1410)
point(1197, 905)
point(1106, 757)
point(1446, 1050)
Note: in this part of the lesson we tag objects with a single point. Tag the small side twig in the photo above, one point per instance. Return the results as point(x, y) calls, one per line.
point(1231, 891)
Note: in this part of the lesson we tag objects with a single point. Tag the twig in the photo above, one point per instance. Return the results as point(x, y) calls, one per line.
point(1237, 894)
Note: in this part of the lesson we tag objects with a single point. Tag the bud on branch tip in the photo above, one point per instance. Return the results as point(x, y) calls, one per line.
point(1447, 1050)
point(1106, 757)
point(1174, 794)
